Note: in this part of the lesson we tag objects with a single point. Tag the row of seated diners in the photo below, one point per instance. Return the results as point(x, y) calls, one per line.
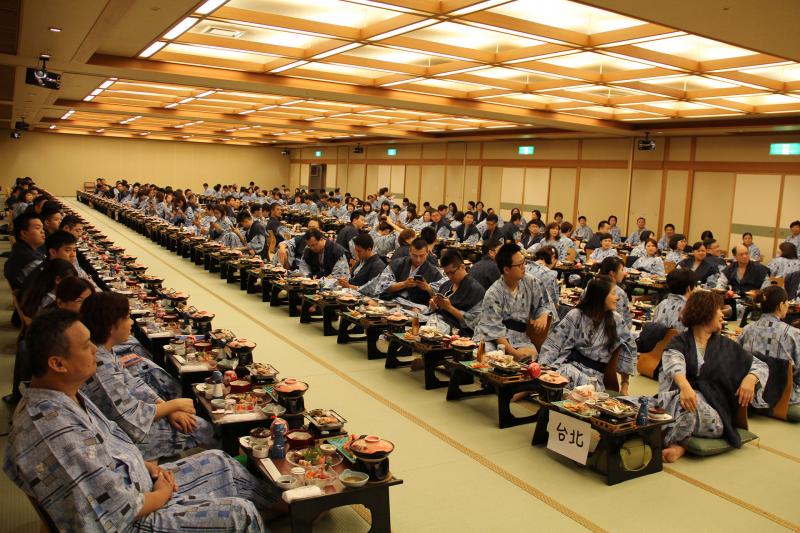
point(103, 438)
point(510, 298)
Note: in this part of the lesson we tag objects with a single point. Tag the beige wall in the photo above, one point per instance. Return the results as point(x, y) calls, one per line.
point(61, 163)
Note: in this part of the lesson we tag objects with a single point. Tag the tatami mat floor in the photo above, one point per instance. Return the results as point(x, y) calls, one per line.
point(461, 473)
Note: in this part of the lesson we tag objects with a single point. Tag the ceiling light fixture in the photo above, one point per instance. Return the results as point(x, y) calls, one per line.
point(106, 84)
point(404, 29)
point(180, 28)
point(88, 98)
point(101, 130)
point(170, 106)
point(54, 29)
point(207, 93)
point(293, 102)
point(289, 66)
point(186, 100)
point(96, 92)
point(52, 126)
point(383, 5)
point(335, 51)
point(461, 71)
point(209, 6)
point(247, 111)
point(152, 49)
point(267, 107)
point(68, 114)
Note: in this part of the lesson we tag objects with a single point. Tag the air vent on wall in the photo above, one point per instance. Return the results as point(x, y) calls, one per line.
point(223, 32)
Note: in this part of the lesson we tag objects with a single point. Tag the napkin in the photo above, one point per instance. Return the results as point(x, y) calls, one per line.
point(302, 493)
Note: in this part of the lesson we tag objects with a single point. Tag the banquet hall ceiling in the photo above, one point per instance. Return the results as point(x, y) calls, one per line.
point(288, 72)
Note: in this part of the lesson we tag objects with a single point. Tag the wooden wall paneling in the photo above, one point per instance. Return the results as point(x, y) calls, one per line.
point(512, 190)
point(712, 204)
point(790, 200)
point(690, 190)
point(599, 194)
point(432, 184)
point(647, 188)
point(562, 193)
point(471, 179)
point(397, 184)
point(480, 176)
point(756, 200)
point(372, 178)
point(454, 185)
point(536, 191)
point(578, 184)
point(674, 210)
point(492, 185)
point(412, 185)
point(356, 179)
point(294, 176)
point(663, 192)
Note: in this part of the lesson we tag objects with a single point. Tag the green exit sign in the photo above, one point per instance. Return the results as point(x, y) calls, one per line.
point(318, 153)
point(391, 151)
point(784, 149)
point(525, 150)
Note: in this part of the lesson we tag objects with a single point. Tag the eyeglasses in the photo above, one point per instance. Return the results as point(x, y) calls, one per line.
point(518, 264)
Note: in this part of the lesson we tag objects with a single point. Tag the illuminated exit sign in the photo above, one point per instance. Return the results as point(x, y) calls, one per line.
point(391, 151)
point(525, 150)
point(318, 153)
point(784, 149)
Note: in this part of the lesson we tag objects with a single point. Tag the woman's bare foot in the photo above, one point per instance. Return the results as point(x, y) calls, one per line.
point(672, 453)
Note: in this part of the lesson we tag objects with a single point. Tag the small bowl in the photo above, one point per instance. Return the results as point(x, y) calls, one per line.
point(287, 482)
point(273, 409)
point(353, 479)
point(218, 403)
point(601, 396)
point(327, 449)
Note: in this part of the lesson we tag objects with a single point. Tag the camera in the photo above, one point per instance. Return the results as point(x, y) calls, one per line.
point(41, 77)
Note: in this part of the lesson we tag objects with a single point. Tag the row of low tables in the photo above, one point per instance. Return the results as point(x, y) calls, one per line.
point(337, 319)
point(231, 426)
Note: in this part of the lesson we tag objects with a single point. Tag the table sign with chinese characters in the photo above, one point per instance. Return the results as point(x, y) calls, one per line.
point(569, 436)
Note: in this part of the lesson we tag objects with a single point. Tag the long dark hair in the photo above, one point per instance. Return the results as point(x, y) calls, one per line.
point(43, 283)
point(593, 305)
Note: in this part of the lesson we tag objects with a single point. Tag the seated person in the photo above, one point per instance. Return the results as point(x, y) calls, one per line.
point(350, 231)
point(553, 238)
point(584, 341)
point(367, 270)
point(322, 257)
point(680, 282)
point(492, 232)
point(770, 336)
point(412, 277)
point(510, 230)
point(467, 232)
point(39, 290)
point(510, 304)
point(485, 271)
point(636, 236)
point(596, 240)
point(752, 249)
point(96, 479)
point(460, 298)
point(605, 250)
point(51, 217)
point(255, 234)
point(613, 229)
point(530, 237)
point(404, 243)
point(290, 251)
point(677, 247)
point(567, 242)
point(785, 263)
point(743, 275)
point(384, 237)
point(613, 269)
point(440, 225)
point(541, 268)
point(651, 261)
point(583, 232)
point(274, 222)
point(428, 234)
point(158, 428)
point(700, 264)
point(704, 378)
point(64, 245)
point(26, 253)
point(663, 242)
point(638, 250)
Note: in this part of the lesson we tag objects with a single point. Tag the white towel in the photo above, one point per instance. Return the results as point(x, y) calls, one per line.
point(302, 493)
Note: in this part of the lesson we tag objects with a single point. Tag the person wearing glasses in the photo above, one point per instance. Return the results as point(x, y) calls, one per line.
point(511, 303)
point(460, 298)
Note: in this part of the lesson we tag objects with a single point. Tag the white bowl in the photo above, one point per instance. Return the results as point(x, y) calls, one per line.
point(287, 482)
point(348, 474)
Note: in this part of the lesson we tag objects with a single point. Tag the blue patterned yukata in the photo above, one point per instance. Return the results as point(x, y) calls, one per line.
point(770, 337)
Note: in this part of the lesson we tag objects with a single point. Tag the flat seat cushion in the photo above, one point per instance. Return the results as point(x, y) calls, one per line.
point(793, 415)
point(704, 447)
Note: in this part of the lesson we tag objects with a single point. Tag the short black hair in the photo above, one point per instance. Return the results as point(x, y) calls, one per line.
point(746, 233)
point(558, 214)
point(59, 239)
point(243, 215)
point(451, 258)
point(355, 214)
point(680, 279)
point(505, 254)
point(364, 241)
point(794, 223)
point(69, 221)
point(99, 313)
point(49, 209)
point(604, 236)
point(546, 254)
point(22, 222)
point(489, 245)
point(610, 264)
point(314, 233)
point(601, 224)
point(46, 337)
point(668, 226)
point(646, 234)
point(673, 242)
point(428, 234)
point(581, 218)
point(492, 218)
point(419, 244)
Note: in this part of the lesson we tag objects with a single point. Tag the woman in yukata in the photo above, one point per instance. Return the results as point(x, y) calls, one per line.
point(222, 229)
point(159, 428)
point(613, 229)
point(698, 262)
point(638, 250)
point(771, 337)
point(786, 263)
point(677, 249)
point(705, 378)
point(606, 249)
point(552, 237)
point(615, 270)
point(584, 341)
point(651, 262)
